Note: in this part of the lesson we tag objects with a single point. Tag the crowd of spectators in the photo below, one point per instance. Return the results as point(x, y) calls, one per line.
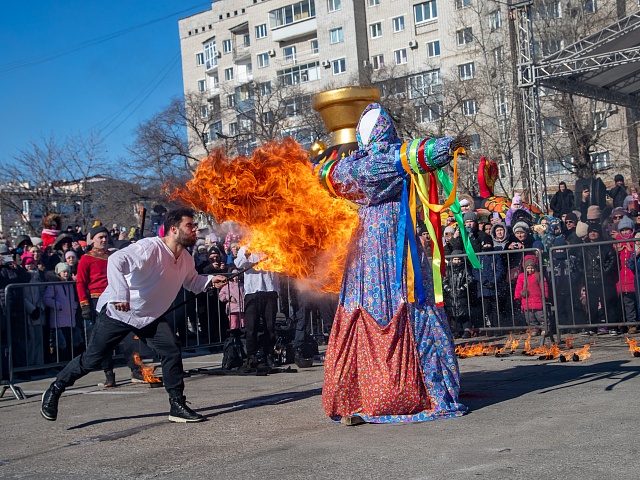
point(587, 251)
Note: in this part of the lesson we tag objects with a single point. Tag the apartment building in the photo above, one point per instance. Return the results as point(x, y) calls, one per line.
point(448, 62)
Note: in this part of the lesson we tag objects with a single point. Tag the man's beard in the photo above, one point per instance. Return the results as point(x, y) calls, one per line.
point(185, 241)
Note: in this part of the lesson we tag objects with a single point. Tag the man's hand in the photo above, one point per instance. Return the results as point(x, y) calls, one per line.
point(122, 306)
point(219, 281)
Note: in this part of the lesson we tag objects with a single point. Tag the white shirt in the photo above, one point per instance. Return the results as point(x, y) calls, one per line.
point(148, 277)
point(255, 280)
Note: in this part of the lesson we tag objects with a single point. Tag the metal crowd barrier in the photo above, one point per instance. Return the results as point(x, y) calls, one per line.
point(591, 295)
point(199, 321)
point(482, 301)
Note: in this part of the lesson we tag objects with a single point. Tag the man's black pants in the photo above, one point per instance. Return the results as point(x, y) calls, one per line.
point(109, 332)
point(260, 305)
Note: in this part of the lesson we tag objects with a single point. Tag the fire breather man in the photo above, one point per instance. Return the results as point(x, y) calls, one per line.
point(144, 279)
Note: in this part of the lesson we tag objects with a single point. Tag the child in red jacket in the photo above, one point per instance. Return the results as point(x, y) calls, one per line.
point(529, 291)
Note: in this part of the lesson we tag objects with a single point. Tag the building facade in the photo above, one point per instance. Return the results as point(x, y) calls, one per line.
point(444, 67)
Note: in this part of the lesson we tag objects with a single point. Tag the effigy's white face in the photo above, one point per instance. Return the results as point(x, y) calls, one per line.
point(367, 122)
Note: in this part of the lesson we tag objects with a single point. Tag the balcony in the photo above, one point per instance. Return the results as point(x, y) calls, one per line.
point(294, 30)
point(211, 64)
point(241, 52)
point(213, 91)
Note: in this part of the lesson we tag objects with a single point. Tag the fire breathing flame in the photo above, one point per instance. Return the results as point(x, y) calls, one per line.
point(527, 343)
point(568, 343)
point(507, 344)
point(549, 353)
point(146, 371)
point(633, 345)
point(291, 218)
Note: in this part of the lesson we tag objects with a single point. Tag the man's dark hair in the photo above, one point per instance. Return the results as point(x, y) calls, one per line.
point(174, 217)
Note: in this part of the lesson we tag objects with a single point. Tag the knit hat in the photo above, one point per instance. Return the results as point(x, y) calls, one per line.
point(582, 229)
point(70, 254)
point(62, 267)
point(470, 216)
point(562, 183)
point(28, 260)
point(4, 249)
point(571, 216)
point(464, 202)
point(594, 227)
point(449, 229)
point(457, 252)
point(98, 229)
point(626, 222)
point(538, 244)
point(530, 261)
point(521, 227)
point(516, 200)
point(618, 178)
point(593, 212)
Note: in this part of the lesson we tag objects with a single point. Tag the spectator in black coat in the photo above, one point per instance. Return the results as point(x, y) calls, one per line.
point(619, 192)
point(563, 201)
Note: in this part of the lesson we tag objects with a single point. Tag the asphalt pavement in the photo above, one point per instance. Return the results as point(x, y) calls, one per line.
point(528, 419)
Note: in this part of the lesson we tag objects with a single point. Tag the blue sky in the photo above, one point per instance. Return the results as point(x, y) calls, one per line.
point(91, 88)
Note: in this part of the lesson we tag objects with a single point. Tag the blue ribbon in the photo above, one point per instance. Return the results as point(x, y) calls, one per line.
point(406, 228)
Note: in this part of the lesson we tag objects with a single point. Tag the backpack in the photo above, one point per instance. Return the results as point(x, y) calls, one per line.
point(233, 353)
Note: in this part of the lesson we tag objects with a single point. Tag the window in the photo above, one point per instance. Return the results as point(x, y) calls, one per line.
point(377, 62)
point(289, 53)
point(233, 129)
point(463, 4)
point(296, 106)
point(199, 58)
point(591, 6)
point(202, 85)
point(228, 74)
point(498, 55)
point(334, 5)
point(495, 20)
point(204, 111)
point(339, 66)
point(265, 88)
point(464, 36)
point(422, 84)
point(375, 30)
point(398, 24)
point(263, 60)
point(466, 71)
point(299, 74)
point(600, 120)
point(314, 47)
point(425, 11)
point(214, 130)
point(267, 118)
point(335, 35)
point(206, 138)
point(501, 100)
point(226, 46)
point(547, 9)
point(246, 40)
point(469, 107)
point(433, 48)
point(374, 3)
point(210, 54)
point(231, 100)
point(428, 113)
point(261, 31)
point(400, 56)
point(475, 141)
point(551, 125)
point(600, 160)
point(295, 12)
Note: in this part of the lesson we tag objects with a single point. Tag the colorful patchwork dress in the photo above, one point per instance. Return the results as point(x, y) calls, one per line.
point(387, 360)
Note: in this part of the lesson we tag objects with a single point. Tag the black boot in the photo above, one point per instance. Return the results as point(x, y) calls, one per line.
point(250, 364)
point(181, 413)
point(49, 404)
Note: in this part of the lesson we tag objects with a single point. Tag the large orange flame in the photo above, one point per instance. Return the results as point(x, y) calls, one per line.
point(581, 354)
point(290, 217)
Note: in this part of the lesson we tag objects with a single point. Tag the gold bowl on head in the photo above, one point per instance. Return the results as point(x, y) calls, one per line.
point(341, 108)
